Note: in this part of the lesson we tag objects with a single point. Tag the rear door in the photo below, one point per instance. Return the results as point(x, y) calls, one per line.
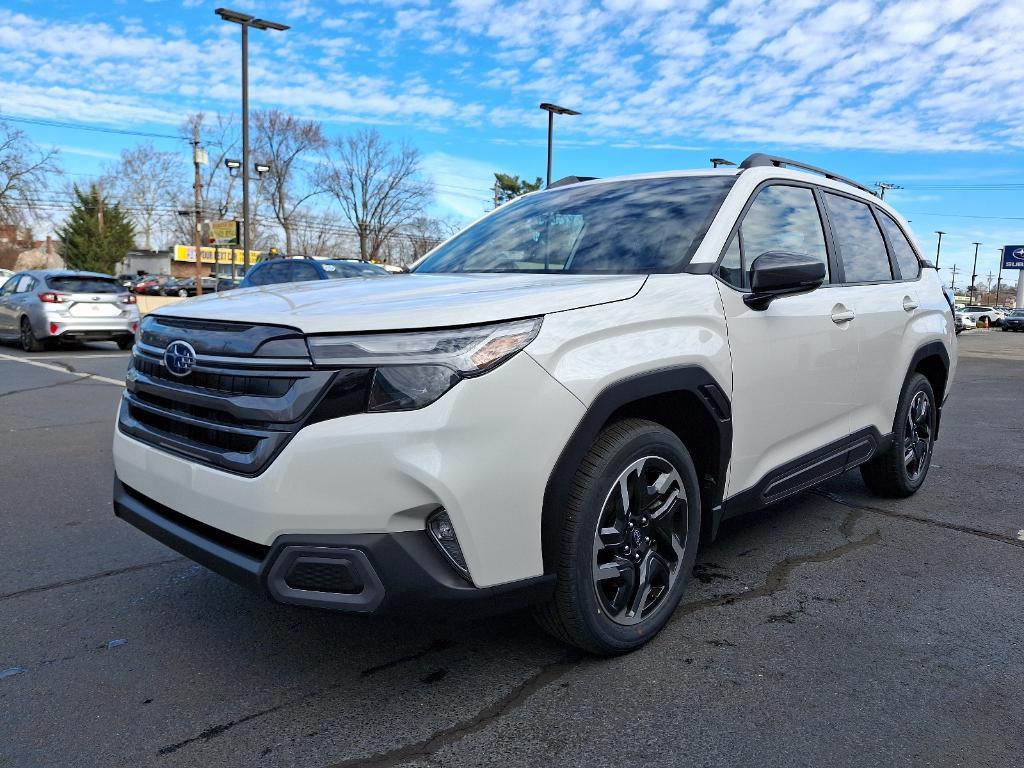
point(795, 363)
point(883, 303)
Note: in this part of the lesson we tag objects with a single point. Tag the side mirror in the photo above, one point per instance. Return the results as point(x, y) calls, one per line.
point(779, 273)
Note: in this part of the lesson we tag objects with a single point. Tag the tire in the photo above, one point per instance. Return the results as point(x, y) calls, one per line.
point(183, 293)
point(1005, 329)
point(891, 473)
point(28, 339)
point(125, 343)
point(623, 560)
point(959, 331)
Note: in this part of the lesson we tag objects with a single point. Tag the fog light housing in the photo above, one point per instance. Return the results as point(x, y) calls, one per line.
point(442, 533)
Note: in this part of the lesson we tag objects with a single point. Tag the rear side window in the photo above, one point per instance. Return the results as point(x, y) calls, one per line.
point(301, 271)
point(861, 247)
point(906, 259)
point(781, 218)
point(258, 276)
point(71, 284)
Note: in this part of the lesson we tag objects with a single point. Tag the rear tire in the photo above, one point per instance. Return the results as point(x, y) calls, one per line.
point(901, 469)
point(28, 339)
point(629, 539)
point(125, 343)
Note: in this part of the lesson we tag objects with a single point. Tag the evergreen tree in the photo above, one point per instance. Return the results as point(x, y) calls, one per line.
point(97, 235)
point(508, 187)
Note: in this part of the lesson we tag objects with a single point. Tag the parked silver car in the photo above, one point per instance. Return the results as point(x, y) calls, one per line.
point(39, 307)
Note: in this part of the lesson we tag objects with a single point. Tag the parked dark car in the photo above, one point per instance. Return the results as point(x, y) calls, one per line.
point(227, 283)
point(1014, 321)
point(300, 270)
point(187, 287)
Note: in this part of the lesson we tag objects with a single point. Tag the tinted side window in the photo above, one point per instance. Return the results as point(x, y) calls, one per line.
point(909, 266)
point(25, 284)
point(258, 276)
point(9, 286)
point(859, 240)
point(303, 271)
point(781, 218)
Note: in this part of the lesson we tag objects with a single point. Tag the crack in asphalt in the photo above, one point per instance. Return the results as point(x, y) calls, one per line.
point(62, 383)
point(981, 533)
point(775, 581)
point(87, 579)
point(777, 578)
point(508, 703)
point(216, 730)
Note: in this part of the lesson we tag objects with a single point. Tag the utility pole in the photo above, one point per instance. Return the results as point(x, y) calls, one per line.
point(938, 248)
point(884, 185)
point(197, 186)
point(952, 285)
point(990, 283)
point(496, 198)
point(999, 280)
point(974, 273)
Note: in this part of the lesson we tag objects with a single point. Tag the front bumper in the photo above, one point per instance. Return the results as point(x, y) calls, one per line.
point(356, 573)
point(483, 451)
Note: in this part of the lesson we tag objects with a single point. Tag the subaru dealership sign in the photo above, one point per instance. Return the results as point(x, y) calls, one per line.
point(1013, 257)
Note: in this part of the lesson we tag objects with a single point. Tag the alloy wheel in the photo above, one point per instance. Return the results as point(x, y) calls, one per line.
point(640, 540)
point(917, 436)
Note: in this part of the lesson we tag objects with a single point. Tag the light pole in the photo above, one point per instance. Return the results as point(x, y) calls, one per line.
point(999, 279)
point(245, 21)
point(974, 271)
point(552, 110)
point(938, 248)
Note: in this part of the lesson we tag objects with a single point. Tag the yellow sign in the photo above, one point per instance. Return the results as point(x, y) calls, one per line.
point(223, 232)
point(214, 254)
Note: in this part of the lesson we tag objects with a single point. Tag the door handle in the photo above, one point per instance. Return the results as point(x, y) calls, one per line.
point(909, 304)
point(840, 316)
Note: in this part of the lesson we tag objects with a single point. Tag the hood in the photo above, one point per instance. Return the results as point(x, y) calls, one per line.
point(407, 301)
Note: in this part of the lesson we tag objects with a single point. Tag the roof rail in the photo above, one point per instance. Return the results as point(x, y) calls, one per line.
point(760, 160)
point(567, 180)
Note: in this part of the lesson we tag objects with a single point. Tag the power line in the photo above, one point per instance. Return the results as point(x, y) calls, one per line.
point(93, 128)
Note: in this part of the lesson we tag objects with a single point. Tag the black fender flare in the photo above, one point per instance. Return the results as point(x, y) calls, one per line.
point(691, 381)
point(931, 349)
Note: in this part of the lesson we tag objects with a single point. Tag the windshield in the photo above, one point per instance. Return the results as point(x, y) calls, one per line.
point(626, 227)
point(72, 284)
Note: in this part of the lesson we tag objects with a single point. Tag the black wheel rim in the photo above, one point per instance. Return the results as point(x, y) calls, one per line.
point(917, 437)
point(26, 335)
point(640, 540)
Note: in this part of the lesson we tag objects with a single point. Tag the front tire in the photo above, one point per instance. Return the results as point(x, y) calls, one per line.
point(28, 339)
point(628, 540)
point(902, 468)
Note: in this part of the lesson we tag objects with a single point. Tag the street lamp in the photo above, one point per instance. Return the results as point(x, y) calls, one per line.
point(717, 161)
point(938, 248)
point(552, 110)
point(232, 166)
point(261, 168)
point(245, 21)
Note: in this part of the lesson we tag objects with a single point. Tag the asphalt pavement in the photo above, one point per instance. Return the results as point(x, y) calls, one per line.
point(836, 629)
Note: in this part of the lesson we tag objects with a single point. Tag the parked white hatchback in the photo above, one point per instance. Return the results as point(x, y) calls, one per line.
point(554, 408)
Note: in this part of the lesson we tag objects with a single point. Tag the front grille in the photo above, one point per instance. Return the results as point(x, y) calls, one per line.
point(221, 383)
point(235, 413)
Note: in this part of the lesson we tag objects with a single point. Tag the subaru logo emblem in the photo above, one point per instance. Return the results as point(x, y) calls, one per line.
point(179, 358)
point(1019, 253)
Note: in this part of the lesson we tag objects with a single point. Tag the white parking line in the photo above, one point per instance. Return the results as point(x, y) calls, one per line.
point(58, 369)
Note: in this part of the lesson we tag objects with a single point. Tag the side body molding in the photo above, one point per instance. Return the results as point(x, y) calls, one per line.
point(685, 386)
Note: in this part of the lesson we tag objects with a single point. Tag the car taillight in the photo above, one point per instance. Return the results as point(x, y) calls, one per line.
point(129, 298)
point(54, 328)
point(50, 297)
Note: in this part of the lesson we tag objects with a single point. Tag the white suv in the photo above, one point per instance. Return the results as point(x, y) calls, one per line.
point(554, 408)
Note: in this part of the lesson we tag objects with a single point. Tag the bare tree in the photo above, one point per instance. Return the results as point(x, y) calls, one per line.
point(280, 140)
point(424, 233)
point(320, 236)
point(149, 184)
point(377, 186)
point(26, 173)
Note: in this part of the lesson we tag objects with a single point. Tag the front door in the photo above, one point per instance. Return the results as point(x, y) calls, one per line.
point(795, 363)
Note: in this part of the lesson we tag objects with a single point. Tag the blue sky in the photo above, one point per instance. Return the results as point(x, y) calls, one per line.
point(928, 94)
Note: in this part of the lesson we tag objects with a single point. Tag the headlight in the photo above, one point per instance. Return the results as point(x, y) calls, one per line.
point(413, 369)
